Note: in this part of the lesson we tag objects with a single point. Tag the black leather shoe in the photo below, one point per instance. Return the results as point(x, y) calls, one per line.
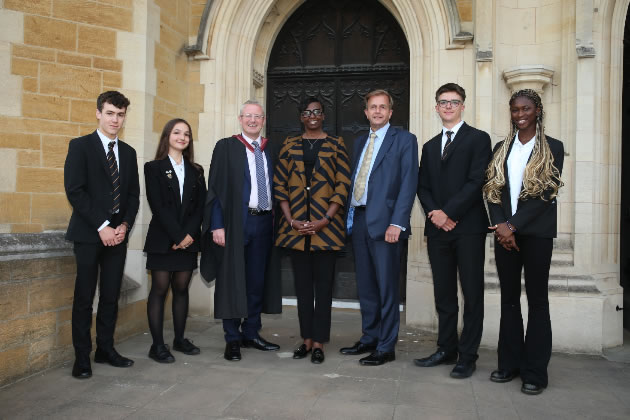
point(378, 358)
point(531, 389)
point(160, 353)
point(301, 352)
point(318, 356)
point(260, 344)
point(232, 351)
point(186, 346)
point(112, 357)
point(463, 370)
point(437, 358)
point(358, 348)
point(82, 368)
point(501, 376)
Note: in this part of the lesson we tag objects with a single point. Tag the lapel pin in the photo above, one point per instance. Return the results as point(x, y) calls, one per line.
point(169, 174)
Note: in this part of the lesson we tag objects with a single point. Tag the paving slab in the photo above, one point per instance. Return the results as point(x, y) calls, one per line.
point(272, 385)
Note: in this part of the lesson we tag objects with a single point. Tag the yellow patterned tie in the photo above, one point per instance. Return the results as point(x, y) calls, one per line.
point(359, 184)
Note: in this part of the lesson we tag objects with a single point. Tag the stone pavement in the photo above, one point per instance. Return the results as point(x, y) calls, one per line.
point(274, 386)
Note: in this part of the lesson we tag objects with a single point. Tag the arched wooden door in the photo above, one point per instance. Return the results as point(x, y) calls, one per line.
point(339, 51)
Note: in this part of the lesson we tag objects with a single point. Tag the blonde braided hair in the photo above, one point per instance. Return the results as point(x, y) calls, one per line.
point(540, 175)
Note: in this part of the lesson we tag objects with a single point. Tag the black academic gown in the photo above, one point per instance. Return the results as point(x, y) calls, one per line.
point(227, 265)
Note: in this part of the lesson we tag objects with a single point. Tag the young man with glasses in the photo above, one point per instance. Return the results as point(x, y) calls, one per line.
point(238, 232)
point(452, 173)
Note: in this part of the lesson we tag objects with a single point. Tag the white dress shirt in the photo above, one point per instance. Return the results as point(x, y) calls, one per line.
point(106, 140)
point(517, 160)
point(180, 172)
point(445, 138)
point(251, 161)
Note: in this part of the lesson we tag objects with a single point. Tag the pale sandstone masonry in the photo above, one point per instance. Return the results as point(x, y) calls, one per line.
point(68, 57)
point(36, 312)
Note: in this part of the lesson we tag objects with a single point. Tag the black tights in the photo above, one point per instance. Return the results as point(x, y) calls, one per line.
point(179, 281)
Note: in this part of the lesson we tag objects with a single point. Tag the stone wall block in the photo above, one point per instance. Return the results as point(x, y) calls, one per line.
point(97, 41)
point(45, 107)
point(94, 13)
point(29, 158)
point(39, 362)
point(54, 150)
point(48, 294)
point(69, 81)
point(39, 7)
point(64, 316)
point(27, 228)
point(30, 84)
point(112, 80)
point(64, 335)
point(19, 141)
point(74, 59)
point(32, 269)
point(50, 33)
point(120, 3)
point(5, 271)
point(24, 330)
point(167, 7)
point(50, 209)
point(83, 111)
point(13, 300)
point(42, 346)
point(15, 208)
point(67, 265)
point(170, 39)
point(13, 364)
point(34, 53)
point(107, 64)
point(23, 67)
point(39, 180)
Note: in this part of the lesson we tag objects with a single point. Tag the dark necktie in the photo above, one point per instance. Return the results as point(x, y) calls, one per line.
point(449, 139)
point(113, 171)
point(261, 181)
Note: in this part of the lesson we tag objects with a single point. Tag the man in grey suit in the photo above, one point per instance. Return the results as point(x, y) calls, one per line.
point(384, 181)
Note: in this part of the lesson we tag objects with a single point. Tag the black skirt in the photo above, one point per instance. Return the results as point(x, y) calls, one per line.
point(179, 260)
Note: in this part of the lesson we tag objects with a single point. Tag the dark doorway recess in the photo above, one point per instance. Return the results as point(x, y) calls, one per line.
point(625, 178)
point(339, 51)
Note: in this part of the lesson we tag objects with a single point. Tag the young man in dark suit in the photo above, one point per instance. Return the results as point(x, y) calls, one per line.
point(384, 180)
point(101, 182)
point(237, 234)
point(452, 173)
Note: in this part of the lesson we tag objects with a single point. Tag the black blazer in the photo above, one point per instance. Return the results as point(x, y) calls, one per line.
point(173, 218)
point(534, 216)
point(89, 187)
point(454, 184)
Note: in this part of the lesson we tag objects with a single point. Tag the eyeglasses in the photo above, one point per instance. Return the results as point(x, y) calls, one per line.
point(454, 103)
point(308, 112)
point(252, 116)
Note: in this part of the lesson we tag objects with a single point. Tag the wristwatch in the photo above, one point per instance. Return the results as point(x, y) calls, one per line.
point(327, 217)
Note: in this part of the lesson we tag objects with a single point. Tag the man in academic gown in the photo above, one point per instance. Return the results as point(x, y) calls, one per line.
point(237, 234)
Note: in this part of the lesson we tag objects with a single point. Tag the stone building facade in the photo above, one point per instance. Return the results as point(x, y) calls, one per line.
point(200, 59)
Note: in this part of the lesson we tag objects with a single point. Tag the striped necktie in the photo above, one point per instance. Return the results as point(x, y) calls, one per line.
point(449, 140)
point(261, 180)
point(113, 172)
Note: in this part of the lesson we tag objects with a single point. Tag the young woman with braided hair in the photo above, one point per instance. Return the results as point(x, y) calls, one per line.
point(523, 179)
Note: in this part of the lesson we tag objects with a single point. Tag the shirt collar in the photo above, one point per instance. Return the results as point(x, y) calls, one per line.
point(174, 163)
point(529, 145)
point(454, 129)
point(380, 133)
point(106, 140)
point(250, 141)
